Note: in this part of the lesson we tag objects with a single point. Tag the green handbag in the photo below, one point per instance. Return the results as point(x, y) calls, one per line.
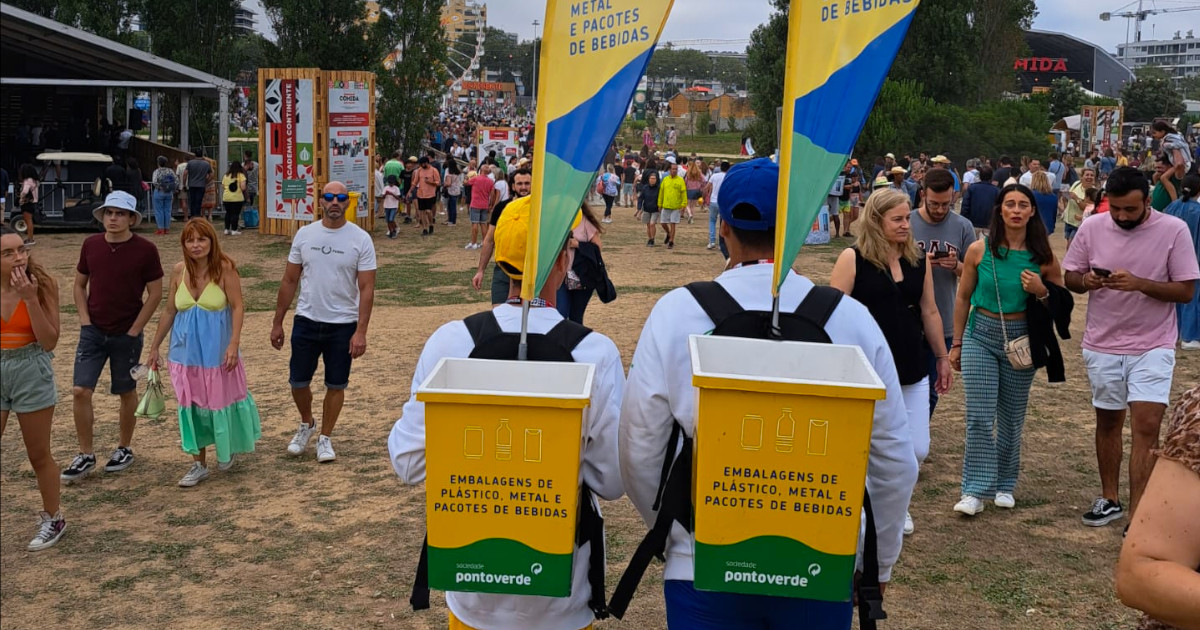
point(154, 401)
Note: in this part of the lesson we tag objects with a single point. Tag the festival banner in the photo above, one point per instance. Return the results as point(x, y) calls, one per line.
point(288, 107)
point(593, 54)
point(837, 58)
point(350, 135)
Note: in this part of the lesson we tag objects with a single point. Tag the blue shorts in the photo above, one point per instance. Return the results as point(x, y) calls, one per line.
point(390, 214)
point(1069, 231)
point(690, 609)
point(329, 342)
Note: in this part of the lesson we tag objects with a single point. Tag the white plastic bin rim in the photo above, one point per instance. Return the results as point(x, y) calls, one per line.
point(781, 361)
point(542, 379)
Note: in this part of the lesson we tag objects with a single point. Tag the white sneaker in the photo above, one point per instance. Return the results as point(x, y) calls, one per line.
point(234, 233)
point(1005, 500)
point(223, 466)
point(325, 449)
point(197, 473)
point(969, 505)
point(226, 232)
point(908, 524)
point(469, 246)
point(1191, 345)
point(712, 245)
point(300, 440)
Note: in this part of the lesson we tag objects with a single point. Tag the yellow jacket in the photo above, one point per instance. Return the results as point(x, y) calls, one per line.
point(672, 193)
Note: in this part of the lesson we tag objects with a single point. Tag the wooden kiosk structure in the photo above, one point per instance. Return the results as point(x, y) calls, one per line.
point(316, 126)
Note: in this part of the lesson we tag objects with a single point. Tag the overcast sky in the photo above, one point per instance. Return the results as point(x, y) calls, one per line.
point(735, 19)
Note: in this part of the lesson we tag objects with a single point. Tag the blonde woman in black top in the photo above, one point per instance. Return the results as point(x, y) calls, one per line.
point(886, 272)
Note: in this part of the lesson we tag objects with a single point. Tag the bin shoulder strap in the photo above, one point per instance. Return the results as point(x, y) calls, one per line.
point(555, 345)
point(870, 596)
point(482, 326)
point(715, 300)
point(591, 530)
point(420, 590)
point(817, 306)
point(674, 505)
point(567, 335)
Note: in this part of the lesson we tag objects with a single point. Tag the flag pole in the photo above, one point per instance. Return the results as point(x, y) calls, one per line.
point(523, 346)
point(776, 333)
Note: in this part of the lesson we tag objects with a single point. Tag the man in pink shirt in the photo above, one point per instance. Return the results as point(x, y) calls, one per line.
point(1137, 263)
point(481, 204)
point(426, 181)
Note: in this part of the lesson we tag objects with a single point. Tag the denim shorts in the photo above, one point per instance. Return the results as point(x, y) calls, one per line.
point(1069, 231)
point(26, 379)
point(479, 215)
point(95, 348)
point(390, 214)
point(328, 342)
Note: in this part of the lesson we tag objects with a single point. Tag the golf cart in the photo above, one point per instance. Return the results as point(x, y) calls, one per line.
point(68, 202)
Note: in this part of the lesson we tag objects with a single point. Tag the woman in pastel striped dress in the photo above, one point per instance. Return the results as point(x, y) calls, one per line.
point(203, 314)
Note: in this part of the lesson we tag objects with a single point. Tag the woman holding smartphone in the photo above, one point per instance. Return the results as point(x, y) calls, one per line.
point(887, 273)
point(999, 272)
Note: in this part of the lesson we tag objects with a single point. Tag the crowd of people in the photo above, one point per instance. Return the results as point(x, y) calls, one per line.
point(948, 272)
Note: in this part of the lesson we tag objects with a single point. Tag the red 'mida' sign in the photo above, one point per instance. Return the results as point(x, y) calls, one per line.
point(1041, 64)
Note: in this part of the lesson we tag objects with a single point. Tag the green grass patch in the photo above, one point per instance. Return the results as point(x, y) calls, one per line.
point(119, 584)
point(275, 250)
point(250, 270)
point(411, 281)
point(115, 498)
point(170, 551)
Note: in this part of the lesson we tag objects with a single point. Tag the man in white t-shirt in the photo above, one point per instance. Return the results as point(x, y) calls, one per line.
point(1035, 166)
point(332, 263)
point(714, 210)
point(972, 174)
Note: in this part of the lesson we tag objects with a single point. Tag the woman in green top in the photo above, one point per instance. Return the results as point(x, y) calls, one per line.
point(998, 274)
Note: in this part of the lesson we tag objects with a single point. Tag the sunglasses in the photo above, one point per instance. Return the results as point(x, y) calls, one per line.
point(343, 197)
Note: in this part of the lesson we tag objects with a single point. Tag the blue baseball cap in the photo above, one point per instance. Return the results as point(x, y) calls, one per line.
point(754, 183)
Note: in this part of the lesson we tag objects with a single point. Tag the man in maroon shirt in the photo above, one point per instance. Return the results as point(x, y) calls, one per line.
point(115, 268)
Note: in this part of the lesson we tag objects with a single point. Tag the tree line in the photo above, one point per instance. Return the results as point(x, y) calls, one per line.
point(951, 87)
point(326, 34)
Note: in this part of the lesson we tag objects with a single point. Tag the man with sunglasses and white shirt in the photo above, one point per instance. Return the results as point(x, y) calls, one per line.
point(332, 263)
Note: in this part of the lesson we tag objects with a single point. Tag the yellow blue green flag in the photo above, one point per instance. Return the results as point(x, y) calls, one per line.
point(593, 54)
point(838, 54)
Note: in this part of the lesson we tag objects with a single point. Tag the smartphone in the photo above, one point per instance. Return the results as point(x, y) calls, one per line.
point(941, 254)
point(1101, 272)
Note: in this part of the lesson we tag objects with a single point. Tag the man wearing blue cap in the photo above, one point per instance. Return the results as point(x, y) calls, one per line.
point(659, 394)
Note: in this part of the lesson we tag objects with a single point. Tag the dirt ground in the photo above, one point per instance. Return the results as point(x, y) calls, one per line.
point(282, 542)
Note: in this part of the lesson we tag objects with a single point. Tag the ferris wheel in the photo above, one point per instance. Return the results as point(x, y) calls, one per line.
point(464, 47)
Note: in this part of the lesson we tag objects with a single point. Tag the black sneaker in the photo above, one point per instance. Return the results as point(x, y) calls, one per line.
point(670, 244)
point(407, 220)
point(79, 468)
point(120, 460)
point(650, 243)
point(1103, 512)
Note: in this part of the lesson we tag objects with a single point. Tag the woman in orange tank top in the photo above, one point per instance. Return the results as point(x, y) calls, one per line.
point(29, 329)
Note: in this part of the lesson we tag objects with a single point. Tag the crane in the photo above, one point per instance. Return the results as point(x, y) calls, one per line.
point(1138, 17)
